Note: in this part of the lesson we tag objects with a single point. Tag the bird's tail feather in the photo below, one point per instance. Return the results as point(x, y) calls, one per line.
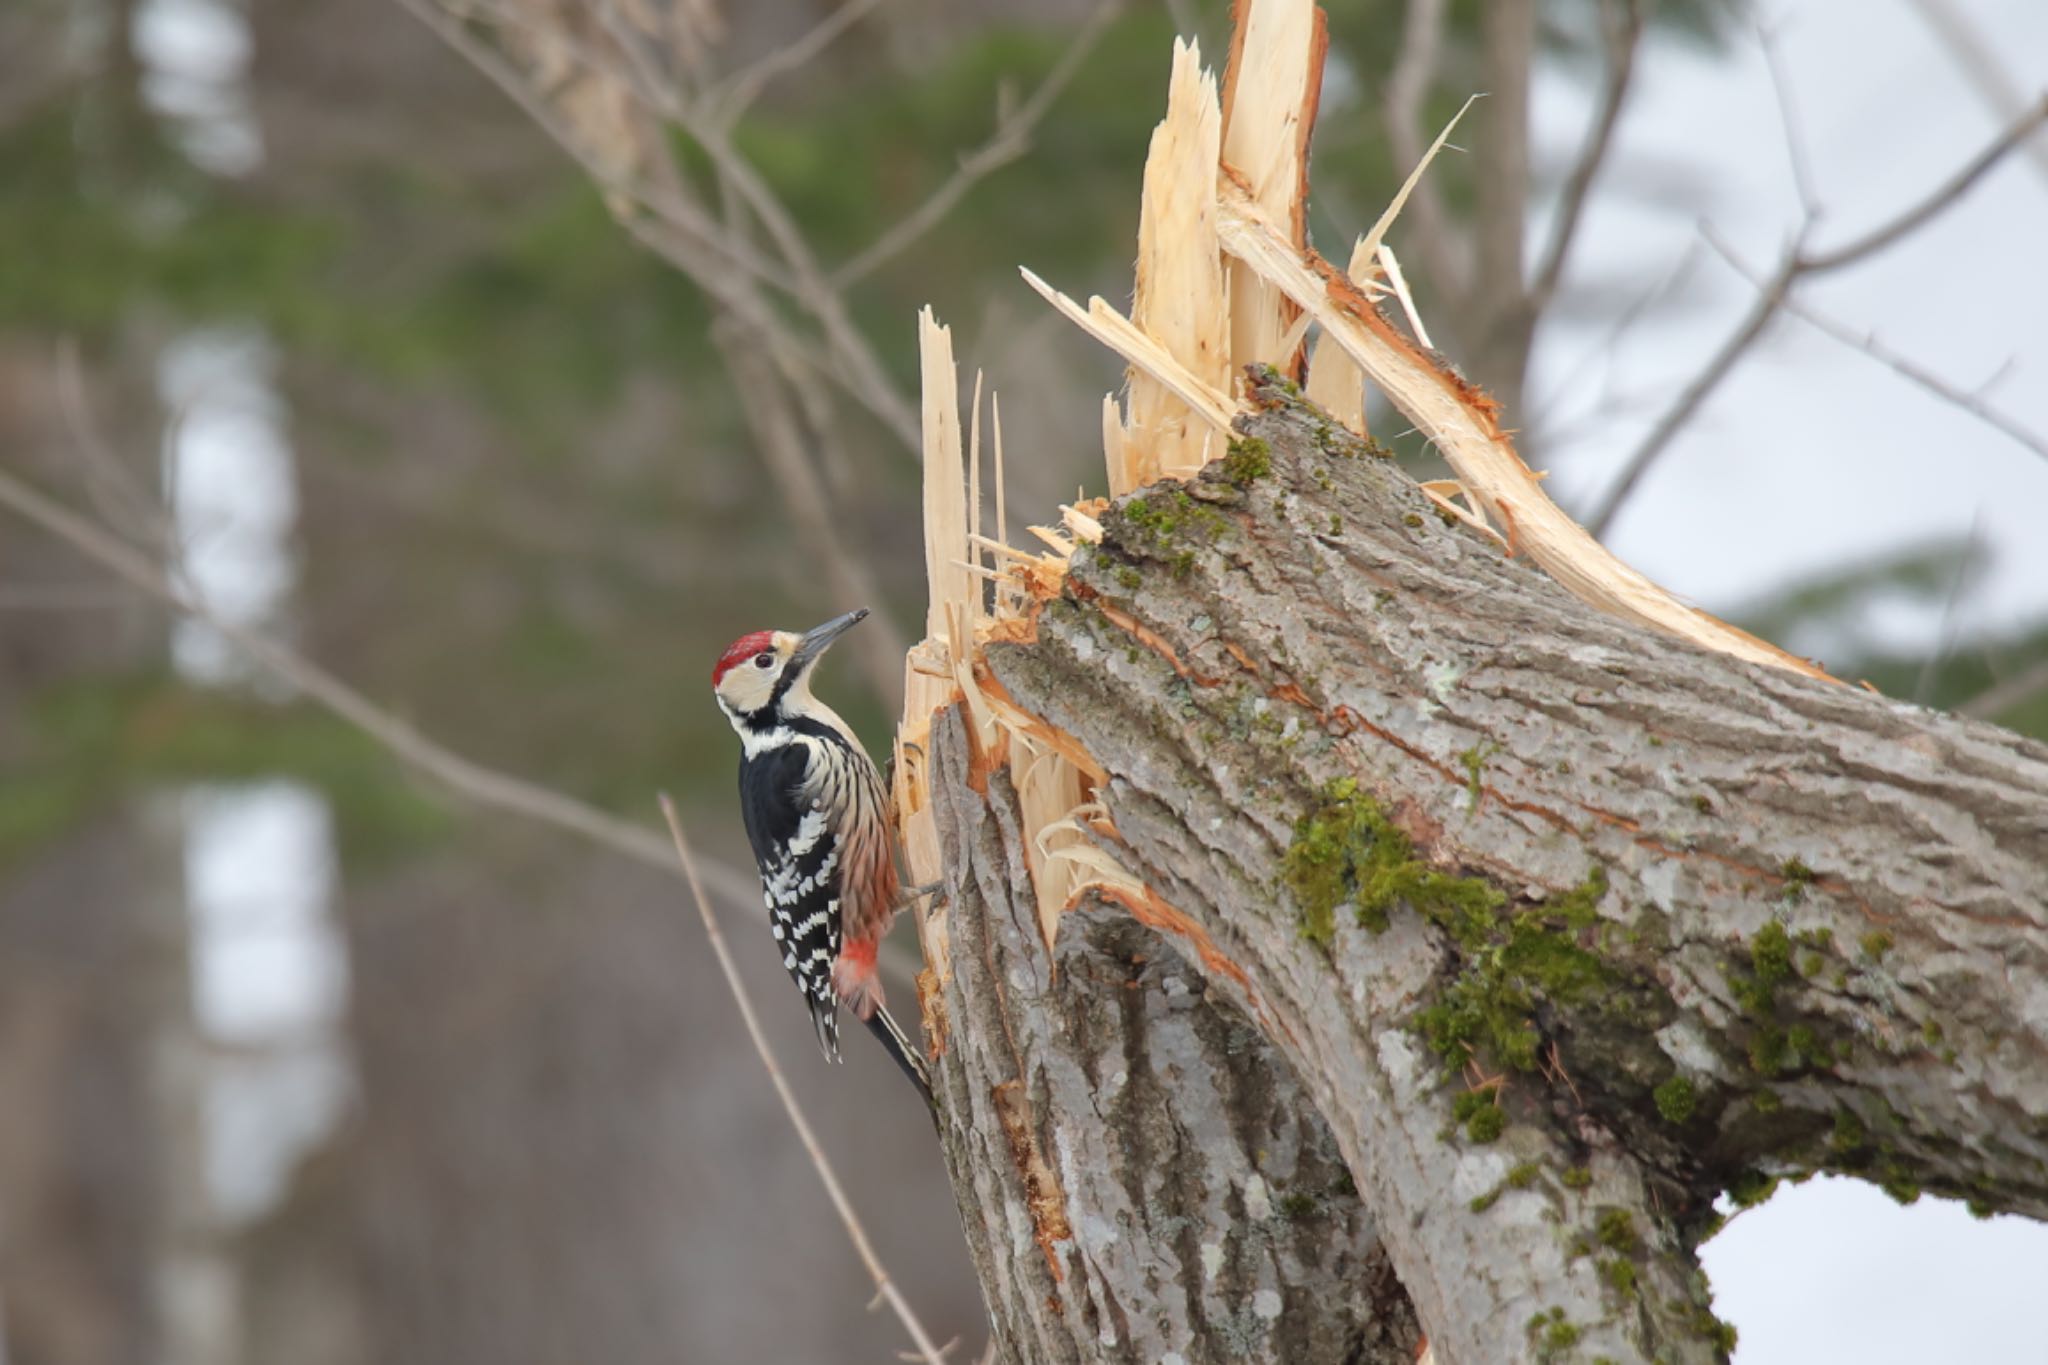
point(898, 1045)
point(825, 1019)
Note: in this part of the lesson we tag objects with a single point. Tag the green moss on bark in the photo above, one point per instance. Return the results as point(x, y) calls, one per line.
point(1512, 962)
point(1248, 459)
point(1167, 525)
point(1347, 852)
point(1675, 1100)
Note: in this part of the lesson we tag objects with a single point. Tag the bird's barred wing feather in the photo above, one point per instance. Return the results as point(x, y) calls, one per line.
point(847, 786)
point(798, 857)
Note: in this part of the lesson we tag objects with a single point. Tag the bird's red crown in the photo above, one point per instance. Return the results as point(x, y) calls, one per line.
point(741, 650)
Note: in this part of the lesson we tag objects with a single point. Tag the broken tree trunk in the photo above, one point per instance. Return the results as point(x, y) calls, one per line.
point(1551, 929)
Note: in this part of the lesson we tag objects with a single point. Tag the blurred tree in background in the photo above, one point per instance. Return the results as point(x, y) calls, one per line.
point(523, 506)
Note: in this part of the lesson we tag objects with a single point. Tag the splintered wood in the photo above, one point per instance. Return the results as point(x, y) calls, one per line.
point(1335, 384)
point(1225, 279)
point(1271, 87)
point(1052, 776)
point(1464, 424)
point(1179, 301)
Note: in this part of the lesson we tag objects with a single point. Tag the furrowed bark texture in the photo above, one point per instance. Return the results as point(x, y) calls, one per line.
point(1140, 1177)
point(1440, 834)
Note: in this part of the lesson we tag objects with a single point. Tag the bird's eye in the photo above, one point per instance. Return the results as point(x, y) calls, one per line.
point(764, 660)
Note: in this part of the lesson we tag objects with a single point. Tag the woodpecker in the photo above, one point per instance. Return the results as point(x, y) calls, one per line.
point(816, 816)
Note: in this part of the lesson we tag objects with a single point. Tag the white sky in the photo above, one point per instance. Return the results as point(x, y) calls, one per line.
point(1813, 455)
point(1833, 1270)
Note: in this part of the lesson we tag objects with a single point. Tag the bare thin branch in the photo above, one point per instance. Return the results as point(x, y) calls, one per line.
point(1769, 296)
point(777, 425)
point(1621, 26)
point(885, 1286)
point(703, 249)
point(862, 371)
point(115, 489)
point(643, 73)
point(677, 230)
point(1985, 72)
point(1415, 72)
point(827, 429)
point(1788, 121)
point(1610, 342)
point(737, 92)
point(1991, 702)
point(1775, 294)
point(1970, 401)
point(1011, 139)
point(682, 216)
point(485, 786)
point(683, 251)
point(1939, 199)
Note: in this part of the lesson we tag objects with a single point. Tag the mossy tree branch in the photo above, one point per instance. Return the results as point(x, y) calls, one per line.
point(1563, 927)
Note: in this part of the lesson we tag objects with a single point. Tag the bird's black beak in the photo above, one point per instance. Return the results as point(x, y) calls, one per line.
point(819, 639)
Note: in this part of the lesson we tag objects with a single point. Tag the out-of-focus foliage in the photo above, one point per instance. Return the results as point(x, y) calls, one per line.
point(1841, 614)
point(527, 303)
point(392, 275)
point(105, 739)
point(519, 297)
point(529, 517)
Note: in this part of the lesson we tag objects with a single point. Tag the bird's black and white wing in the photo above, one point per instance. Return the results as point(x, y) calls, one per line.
point(797, 852)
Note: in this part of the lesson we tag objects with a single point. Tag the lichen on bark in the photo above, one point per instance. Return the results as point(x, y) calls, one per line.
point(1669, 923)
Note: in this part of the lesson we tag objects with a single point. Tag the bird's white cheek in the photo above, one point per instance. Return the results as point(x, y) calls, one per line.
point(747, 691)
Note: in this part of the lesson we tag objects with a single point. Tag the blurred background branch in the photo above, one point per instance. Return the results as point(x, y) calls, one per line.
point(1011, 139)
point(1775, 295)
point(491, 386)
point(488, 788)
point(841, 1205)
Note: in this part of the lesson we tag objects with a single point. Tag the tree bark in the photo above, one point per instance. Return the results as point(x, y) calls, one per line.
point(1561, 928)
point(1143, 1177)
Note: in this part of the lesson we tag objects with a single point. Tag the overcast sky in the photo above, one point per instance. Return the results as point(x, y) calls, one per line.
point(1813, 455)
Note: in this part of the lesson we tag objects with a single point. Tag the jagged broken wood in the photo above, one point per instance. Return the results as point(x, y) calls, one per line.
point(1693, 922)
point(1561, 926)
